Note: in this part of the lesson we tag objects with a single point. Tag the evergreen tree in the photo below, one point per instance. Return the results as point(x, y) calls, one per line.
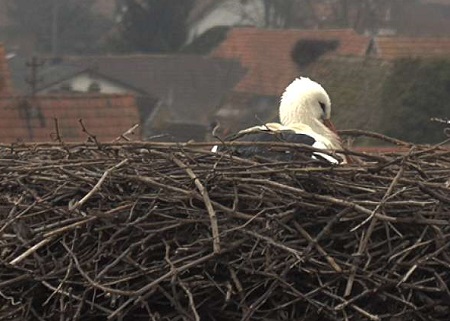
point(417, 91)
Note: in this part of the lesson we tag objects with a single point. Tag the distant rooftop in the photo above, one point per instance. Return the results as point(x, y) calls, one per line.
point(32, 120)
point(190, 86)
point(267, 54)
point(390, 48)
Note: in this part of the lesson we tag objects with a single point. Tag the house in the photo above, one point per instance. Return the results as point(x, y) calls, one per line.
point(267, 53)
point(353, 70)
point(207, 14)
point(173, 91)
point(32, 119)
point(269, 56)
point(391, 48)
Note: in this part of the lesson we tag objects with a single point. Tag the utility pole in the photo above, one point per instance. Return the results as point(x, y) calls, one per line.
point(33, 80)
point(30, 104)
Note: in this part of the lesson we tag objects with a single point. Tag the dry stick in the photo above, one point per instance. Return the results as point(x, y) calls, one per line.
point(163, 277)
point(90, 136)
point(260, 301)
point(66, 276)
point(17, 216)
point(306, 194)
point(31, 250)
point(191, 299)
point(385, 196)
point(207, 201)
point(76, 297)
point(433, 193)
point(357, 132)
point(168, 145)
point(356, 297)
point(152, 182)
point(59, 137)
point(422, 260)
point(124, 135)
point(185, 288)
point(297, 254)
point(92, 282)
point(366, 237)
point(69, 227)
point(366, 314)
point(97, 186)
point(18, 279)
point(308, 237)
point(142, 291)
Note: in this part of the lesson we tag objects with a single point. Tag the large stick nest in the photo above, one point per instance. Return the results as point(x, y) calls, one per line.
point(148, 231)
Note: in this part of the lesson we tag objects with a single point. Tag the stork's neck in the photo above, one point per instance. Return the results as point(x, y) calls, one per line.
point(305, 109)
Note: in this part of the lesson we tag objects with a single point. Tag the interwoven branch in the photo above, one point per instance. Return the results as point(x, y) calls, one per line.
point(142, 231)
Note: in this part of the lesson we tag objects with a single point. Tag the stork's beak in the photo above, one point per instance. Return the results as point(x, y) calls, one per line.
point(329, 125)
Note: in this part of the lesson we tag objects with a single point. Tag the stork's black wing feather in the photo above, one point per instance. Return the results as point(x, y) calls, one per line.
point(270, 152)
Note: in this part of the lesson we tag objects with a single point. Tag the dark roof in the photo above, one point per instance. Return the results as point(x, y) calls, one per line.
point(189, 86)
point(32, 120)
point(178, 132)
point(52, 73)
point(5, 76)
point(267, 54)
point(48, 73)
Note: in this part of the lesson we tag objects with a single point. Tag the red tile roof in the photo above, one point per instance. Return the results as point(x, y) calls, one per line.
point(5, 76)
point(106, 116)
point(390, 48)
point(267, 54)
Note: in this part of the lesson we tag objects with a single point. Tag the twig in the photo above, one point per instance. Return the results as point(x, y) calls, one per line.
point(124, 136)
point(31, 250)
point(209, 207)
point(90, 136)
point(329, 259)
point(358, 132)
point(97, 186)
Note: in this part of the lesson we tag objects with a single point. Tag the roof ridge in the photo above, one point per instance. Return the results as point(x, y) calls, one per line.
point(135, 55)
point(396, 37)
point(350, 30)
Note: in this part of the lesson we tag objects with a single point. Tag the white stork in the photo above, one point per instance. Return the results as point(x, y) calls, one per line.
point(304, 112)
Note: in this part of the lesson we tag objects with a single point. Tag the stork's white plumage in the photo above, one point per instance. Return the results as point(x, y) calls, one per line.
point(306, 102)
point(304, 112)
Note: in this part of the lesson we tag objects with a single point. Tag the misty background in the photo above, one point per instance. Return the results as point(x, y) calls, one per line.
point(188, 65)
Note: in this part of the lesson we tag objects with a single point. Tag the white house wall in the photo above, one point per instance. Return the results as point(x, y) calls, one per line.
point(81, 83)
point(229, 13)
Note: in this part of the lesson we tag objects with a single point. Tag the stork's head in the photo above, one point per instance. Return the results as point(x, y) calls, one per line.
point(304, 101)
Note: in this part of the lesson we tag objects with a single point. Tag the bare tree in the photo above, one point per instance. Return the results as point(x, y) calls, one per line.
point(59, 26)
point(278, 13)
point(154, 25)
